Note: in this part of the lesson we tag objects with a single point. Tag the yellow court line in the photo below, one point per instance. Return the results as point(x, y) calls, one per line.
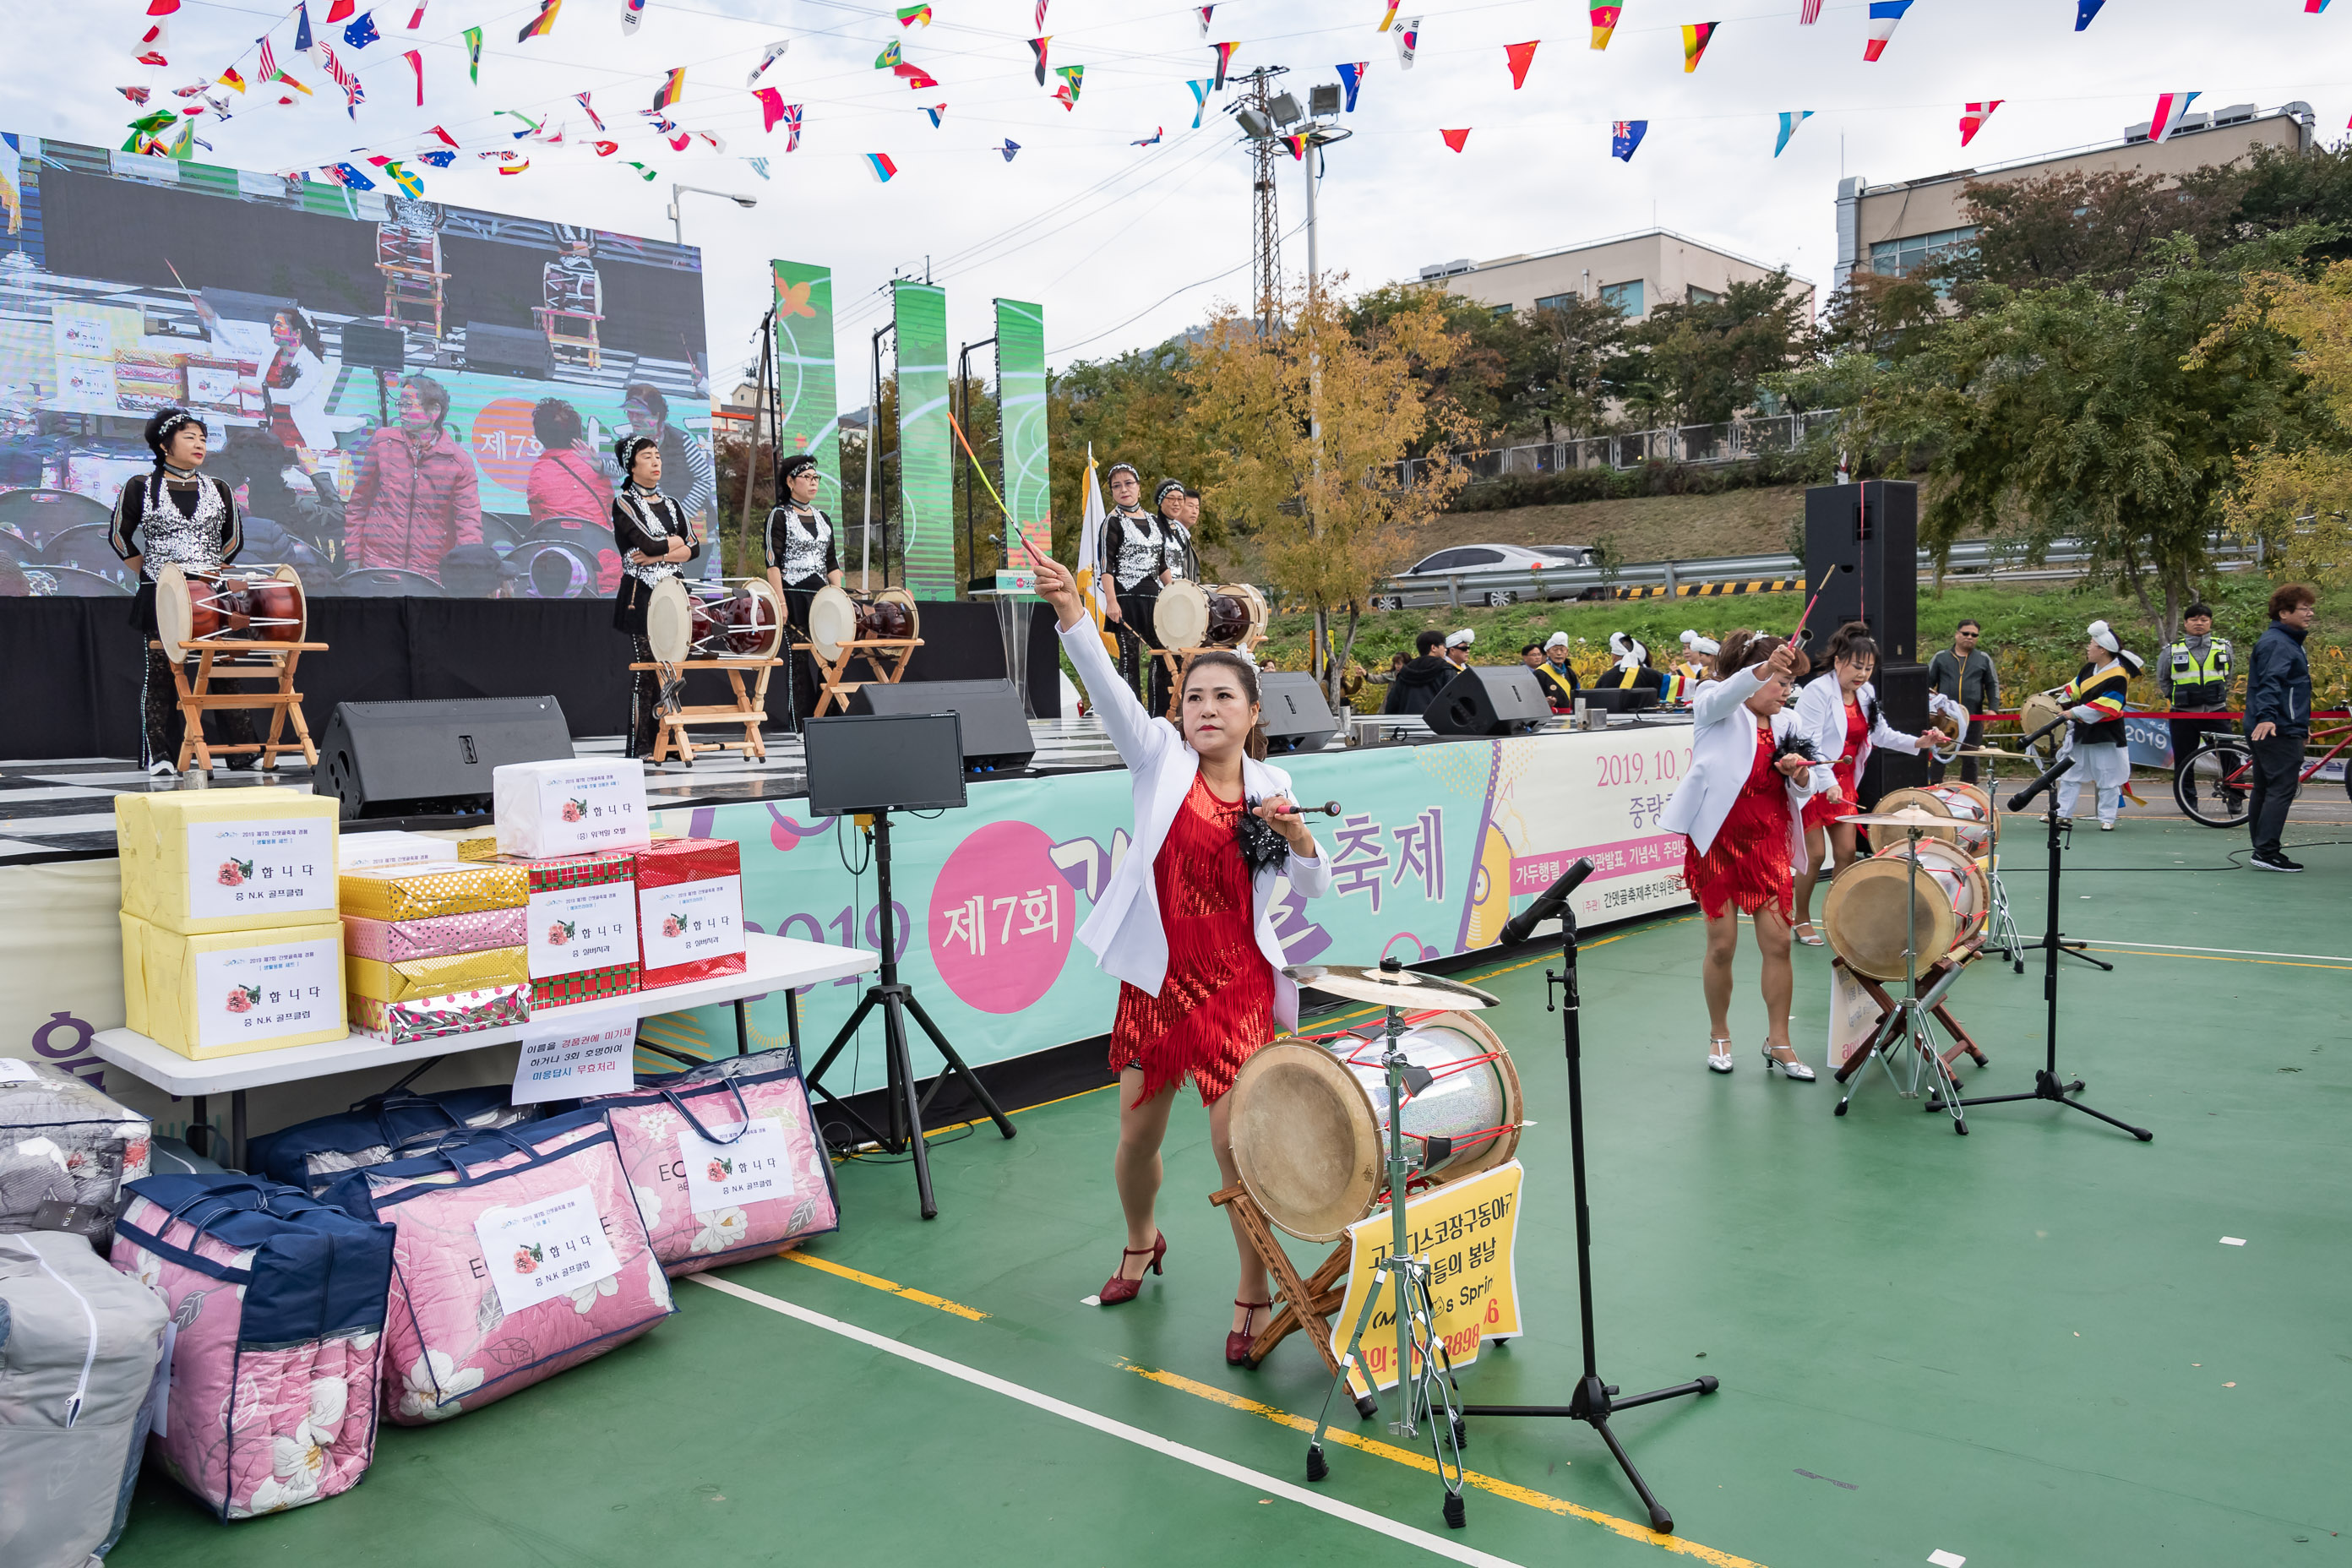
point(2214, 958)
point(1516, 1493)
point(876, 1282)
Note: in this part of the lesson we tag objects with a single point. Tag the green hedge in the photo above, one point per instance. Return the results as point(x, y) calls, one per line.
point(1575, 485)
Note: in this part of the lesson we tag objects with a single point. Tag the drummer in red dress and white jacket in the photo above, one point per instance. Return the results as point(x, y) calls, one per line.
point(1739, 811)
point(1841, 716)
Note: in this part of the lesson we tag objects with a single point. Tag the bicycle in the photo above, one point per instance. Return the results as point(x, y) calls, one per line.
point(2225, 765)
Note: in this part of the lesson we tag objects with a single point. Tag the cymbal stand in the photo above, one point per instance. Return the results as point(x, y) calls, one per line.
point(1425, 1389)
point(2001, 925)
point(1908, 1023)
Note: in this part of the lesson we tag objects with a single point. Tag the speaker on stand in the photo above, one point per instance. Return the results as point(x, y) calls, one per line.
point(1488, 700)
point(995, 726)
point(435, 757)
point(1296, 718)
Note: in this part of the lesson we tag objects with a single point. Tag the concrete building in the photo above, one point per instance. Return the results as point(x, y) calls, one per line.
point(1890, 229)
point(1635, 272)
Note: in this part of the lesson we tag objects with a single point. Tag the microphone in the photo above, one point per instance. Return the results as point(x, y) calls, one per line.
point(1328, 808)
point(2025, 797)
point(1520, 927)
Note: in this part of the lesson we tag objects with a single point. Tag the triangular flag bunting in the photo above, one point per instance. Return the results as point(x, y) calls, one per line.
point(1011, 146)
point(1973, 117)
point(1063, 96)
point(772, 106)
point(361, 33)
point(2171, 108)
point(1695, 42)
point(1351, 77)
point(135, 94)
point(768, 56)
point(1039, 25)
point(161, 7)
point(1883, 15)
point(2083, 11)
point(339, 9)
point(473, 36)
point(1455, 139)
point(1199, 99)
point(447, 139)
point(909, 16)
point(519, 168)
point(886, 59)
point(1205, 13)
point(1298, 146)
point(1387, 21)
point(672, 88)
point(1624, 136)
point(415, 59)
point(1073, 77)
point(935, 111)
point(882, 165)
point(1151, 140)
point(408, 182)
point(1225, 53)
point(1408, 39)
point(538, 26)
point(792, 127)
point(593, 118)
point(645, 172)
point(302, 28)
point(632, 13)
point(1037, 46)
point(439, 157)
point(1519, 56)
point(230, 79)
point(1809, 12)
point(1604, 23)
point(416, 18)
point(758, 167)
point(1789, 120)
point(914, 77)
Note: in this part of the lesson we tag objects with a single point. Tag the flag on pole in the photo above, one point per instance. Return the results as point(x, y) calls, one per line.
point(2170, 109)
point(1604, 23)
point(1695, 41)
point(473, 36)
point(1351, 77)
point(672, 88)
point(1808, 13)
point(1883, 15)
point(1455, 139)
point(361, 33)
point(1973, 117)
point(884, 169)
point(538, 26)
point(1201, 100)
point(1037, 46)
point(1152, 140)
point(1408, 39)
point(1519, 56)
point(415, 59)
point(1789, 120)
point(593, 118)
point(768, 56)
point(2083, 11)
point(1225, 53)
point(935, 111)
point(1073, 77)
point(1011, 146)
point(909, 16)
point(1626, 136)
point(1091, 571)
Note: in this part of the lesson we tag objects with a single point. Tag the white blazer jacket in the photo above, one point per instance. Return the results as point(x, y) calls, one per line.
point(1822, 714)
point(1723, 753)
point(1124, 930)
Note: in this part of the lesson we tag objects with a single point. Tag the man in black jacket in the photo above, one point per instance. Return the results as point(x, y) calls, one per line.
point(2278, 720)
point(1418, 683)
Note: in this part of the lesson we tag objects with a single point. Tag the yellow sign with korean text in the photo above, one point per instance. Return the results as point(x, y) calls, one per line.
point(1466, 1231)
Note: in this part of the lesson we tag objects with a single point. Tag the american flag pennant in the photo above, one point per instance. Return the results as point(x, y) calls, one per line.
point(538, 26)
point(1604, 23)
point(593, 118)
point(1809, 11)
point(266, 67)
point(768, 56)
point(1883, 15)
point(1351, 77)
point(1455, 139)
point(1789, 120)
point(2171, 108)
point(1152, 140)
point(935, 111)
point(415, 58)
point(1225, 53)
point(344, 78)
point(1037, 48)
point(1039, 25)
point(1519, 56)
point(1626, 136)
point(1696, 37)
point(1973, 117)
point(1199, 99)
point(1206, 12)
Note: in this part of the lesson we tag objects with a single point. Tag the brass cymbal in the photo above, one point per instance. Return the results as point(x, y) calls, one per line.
point(1987, 752)
point(1909, 816)
point(1389, 988)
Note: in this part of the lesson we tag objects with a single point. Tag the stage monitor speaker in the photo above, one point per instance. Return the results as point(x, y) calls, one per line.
point(368, 345)
point(1296, 718)
point(509, 350)
point(1488, 700)
point(1861, 553)
point(1903, 698)
point(432, 758)
point(995, 730)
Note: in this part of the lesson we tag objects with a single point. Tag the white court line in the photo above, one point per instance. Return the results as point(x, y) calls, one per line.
point(2239, 952)
point(1437, 1544)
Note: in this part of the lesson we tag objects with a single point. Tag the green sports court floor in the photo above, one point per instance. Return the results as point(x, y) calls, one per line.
point(2027, 1346)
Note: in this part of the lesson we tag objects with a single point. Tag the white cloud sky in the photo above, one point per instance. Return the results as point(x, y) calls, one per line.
point(1103, 232)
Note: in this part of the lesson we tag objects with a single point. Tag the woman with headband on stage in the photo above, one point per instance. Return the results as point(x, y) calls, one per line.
point(802, 559)
point(1134, 554)
point(1186, 923)
point(655, 542)
point(1840, 717)
point(1740, 812)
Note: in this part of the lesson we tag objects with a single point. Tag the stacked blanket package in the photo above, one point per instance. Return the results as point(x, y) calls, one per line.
point(65, 1151)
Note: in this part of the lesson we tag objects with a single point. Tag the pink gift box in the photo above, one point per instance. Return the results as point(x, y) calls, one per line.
point(395, 941)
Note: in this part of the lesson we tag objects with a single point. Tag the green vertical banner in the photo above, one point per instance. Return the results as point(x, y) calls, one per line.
point(810, 415)
point(925, 446)
point(1021, 417)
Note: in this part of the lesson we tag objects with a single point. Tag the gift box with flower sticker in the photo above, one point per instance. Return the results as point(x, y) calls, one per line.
point(689, 909)
point(582, 926)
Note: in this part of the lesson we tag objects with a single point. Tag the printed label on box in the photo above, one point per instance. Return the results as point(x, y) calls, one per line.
point(578, 1057)
point(691, 921)
point(548, 1248)
point(573, 928)
point(258, 993)
point(751, 1169)
point(596, 805)
point(237, 867)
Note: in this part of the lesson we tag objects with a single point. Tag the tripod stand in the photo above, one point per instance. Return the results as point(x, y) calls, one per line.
point(897, 1000)
point(1594, 1401)
point(2046, 1082)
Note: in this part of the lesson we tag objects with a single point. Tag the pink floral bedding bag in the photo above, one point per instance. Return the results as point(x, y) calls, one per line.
point(519, 1253)
point(267, 1398)
point(725, 1160)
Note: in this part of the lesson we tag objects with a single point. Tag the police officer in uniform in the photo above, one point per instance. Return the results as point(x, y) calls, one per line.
point(2195, 676)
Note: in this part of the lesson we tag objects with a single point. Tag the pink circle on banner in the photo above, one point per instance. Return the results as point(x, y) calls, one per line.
point(1002, 916)
point(505, 446)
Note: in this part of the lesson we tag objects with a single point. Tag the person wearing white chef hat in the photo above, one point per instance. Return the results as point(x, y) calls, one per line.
point(1457, 647)
point(1632, 671)
point(1695, 668)
point(2094, 701)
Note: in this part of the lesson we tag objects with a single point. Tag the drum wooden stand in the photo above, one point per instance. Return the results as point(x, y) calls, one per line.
point(886, 658)
point(1935, 977)
point(1300, 1303)
point(750, 710)
point(268, 661)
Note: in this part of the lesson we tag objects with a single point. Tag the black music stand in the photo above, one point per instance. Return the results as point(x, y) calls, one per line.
point(1594, 1401)
point(869, 766)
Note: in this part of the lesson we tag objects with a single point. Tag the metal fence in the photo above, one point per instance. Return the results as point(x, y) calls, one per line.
point(1727, 443)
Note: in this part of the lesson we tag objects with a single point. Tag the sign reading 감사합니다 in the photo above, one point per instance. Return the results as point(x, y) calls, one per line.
point(1467, 1230)
point(545, 1250)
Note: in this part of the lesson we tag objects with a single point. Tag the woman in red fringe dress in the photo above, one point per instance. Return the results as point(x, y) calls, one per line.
point(1740, 810)
point(1186, 923)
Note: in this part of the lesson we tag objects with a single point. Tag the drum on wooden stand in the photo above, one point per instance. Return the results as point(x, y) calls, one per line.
point(1310, 1120)
point(1973, 826)
point(254, 603)
point(1866, 919)
point(738, 618)
point(839, 617)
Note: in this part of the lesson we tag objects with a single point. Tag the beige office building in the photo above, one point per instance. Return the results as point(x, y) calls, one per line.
point(1892, 229)
point(1635, 272)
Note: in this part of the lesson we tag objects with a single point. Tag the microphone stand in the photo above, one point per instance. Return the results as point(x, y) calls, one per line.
point(2073, 949)
point(1594, 1401)
point(2047, 1084)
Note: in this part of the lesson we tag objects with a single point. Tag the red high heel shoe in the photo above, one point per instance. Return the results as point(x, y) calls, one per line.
point(1118, 1289)
point(1237, 1345)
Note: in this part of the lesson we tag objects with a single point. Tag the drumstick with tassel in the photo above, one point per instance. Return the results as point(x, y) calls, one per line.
point(980, 471)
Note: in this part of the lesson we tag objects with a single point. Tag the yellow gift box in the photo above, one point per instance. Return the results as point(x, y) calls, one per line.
point(227, 860)
point(223, 994)
point(478, 847)
point(413, 977)
point(425, 893)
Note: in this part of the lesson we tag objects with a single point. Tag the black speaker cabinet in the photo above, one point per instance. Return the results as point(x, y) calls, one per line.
point(1297, 717)
point(1488, 700)
point(1903, 698)
point(368, 345)
point(414, 759)
point(509, 350)
point(1861, 553)
point(995, 730)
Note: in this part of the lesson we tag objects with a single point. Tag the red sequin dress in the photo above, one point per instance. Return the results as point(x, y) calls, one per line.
point(1749, 864)
point(1215, 1008)
point(1821, 810)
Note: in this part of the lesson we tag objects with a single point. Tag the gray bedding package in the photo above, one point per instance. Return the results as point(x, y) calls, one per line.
point(65, 1151)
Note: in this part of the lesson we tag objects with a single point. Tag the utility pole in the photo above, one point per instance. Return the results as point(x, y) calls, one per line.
point(1266, 275)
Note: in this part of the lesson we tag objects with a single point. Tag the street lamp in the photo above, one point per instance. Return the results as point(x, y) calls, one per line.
point(677, 228)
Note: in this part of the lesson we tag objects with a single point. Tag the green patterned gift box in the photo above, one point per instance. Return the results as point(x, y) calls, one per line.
point(588, 985)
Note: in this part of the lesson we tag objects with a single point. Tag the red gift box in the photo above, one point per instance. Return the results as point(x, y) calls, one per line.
point(689, 910)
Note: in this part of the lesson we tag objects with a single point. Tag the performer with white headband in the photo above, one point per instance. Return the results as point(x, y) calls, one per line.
point(1457, 647)
point(655, 542)
point(1135, 552)
point(1632, 671)
point(1555, 676)
point(1692, 670)
point(802, 557)
point(2094, 701)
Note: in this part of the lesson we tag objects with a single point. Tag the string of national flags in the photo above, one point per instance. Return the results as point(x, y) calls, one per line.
point(170, 131)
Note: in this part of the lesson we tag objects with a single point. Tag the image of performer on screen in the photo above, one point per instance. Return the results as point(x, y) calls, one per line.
point(688, 476)
point(657, 542)
point(298, 384)
point(179, 516)
point(568, 487)
point(802, 559)
point(416, 498)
